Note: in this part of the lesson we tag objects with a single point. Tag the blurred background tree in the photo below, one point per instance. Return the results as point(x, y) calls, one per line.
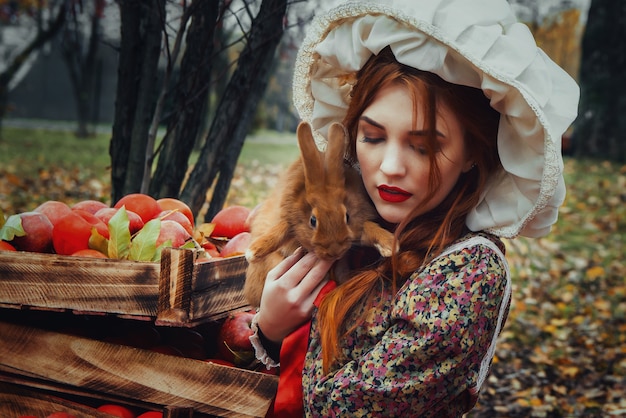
point(46, 22)
point(600, 129)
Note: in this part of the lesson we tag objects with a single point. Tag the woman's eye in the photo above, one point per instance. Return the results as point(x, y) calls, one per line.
point(369, 140)
point(420, 149)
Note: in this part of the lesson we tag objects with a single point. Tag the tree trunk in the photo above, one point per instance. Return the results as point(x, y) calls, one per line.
point(236, 109)
point(40, 40)
point(141, 25)
point(192, 94)
point(82, 69)
point(600, 130)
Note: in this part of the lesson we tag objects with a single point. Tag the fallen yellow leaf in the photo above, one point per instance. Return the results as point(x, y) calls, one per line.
point(595, 272)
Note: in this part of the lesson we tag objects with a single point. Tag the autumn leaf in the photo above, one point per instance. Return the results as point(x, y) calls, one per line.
point(119, 235)
point(143, 245)
point(12, 228)
point(98, 242)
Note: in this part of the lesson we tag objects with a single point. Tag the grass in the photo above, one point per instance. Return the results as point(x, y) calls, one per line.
point(24, 149)
point(31, 156)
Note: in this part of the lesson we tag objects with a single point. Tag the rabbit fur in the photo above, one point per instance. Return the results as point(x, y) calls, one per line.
point(319, 204)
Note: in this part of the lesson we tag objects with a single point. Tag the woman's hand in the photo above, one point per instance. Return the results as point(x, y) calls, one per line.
point(289, 292)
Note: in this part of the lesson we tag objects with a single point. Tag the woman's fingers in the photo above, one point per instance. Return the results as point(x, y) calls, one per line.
point(284, 266)
point(316, 275)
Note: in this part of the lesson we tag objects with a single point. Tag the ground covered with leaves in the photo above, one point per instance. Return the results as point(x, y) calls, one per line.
point(562, 352)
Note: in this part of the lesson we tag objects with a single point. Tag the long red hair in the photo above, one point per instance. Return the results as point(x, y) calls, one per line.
point(419, 237)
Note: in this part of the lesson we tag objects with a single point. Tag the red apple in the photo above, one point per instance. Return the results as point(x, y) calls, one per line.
point(116, 410)
point(73, 231)
point(88, 252)
point(237, 245)
point(170, 203)
point(174, 215)
point(5, 246)
point(38, 236)
point(135, 221)
point(91, 206)
point(234, 338)
point(230, 221)
point(142, 204)
point(53, 209)
point(151, 414)
point(172, 230)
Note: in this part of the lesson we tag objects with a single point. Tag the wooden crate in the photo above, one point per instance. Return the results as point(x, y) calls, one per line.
point(16, 401)
point(177, 291)
point(44, 360)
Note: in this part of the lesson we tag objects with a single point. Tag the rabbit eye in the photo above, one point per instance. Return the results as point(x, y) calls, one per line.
point(347, 218)
point(313, 221)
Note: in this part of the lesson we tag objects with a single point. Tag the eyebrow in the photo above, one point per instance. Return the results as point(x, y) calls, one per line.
point(421, 132)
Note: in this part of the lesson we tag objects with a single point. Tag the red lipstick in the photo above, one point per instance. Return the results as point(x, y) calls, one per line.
point(393, 194)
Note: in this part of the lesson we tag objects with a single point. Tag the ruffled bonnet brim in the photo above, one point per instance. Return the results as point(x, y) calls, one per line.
point(473, 43)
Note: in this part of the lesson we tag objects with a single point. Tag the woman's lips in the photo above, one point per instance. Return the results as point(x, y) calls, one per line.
point(393, 194)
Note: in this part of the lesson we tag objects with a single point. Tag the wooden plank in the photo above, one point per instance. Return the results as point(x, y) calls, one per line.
point(176, 292)
point(65, 391)
point(133, 373)
point(16, 401)
point(191, 293)
point(50, 281)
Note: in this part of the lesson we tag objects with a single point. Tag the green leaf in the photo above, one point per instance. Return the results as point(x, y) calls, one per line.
point(159, 250)
point(12, 228)
point(143, 246)
point(98, 242)
point(119, 235)
point(190, 245)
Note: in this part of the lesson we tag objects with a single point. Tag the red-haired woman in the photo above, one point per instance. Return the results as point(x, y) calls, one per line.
point(454, 117)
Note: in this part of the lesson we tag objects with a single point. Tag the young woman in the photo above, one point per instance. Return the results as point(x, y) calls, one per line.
point(454, 119)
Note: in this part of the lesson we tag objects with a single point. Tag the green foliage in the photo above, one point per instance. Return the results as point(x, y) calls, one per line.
point(119, 235)
point(38, 165)
point(11, 228)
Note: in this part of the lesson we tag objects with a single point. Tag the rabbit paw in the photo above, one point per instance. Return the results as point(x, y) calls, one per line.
point(250, 255)
point(383, 250)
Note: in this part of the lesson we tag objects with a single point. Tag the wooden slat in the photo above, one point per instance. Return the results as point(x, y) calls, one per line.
point(16, 401)
point(49, 281)
point(176, 292)
point(191, 293)
point(46, 386)
point(133, 373)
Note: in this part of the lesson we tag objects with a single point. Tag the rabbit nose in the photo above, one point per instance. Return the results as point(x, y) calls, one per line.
point(332, 250)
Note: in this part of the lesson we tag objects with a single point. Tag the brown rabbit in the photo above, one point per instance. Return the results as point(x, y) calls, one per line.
point(320, 204)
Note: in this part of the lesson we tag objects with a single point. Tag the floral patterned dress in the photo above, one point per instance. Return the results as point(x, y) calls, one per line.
point(425, 351)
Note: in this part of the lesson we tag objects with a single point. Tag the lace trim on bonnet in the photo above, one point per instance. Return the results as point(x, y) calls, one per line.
point(477, 43)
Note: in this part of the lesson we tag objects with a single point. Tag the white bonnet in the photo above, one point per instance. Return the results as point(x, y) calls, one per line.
point(477, 43)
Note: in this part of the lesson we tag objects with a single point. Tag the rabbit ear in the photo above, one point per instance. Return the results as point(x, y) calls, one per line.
point(334, 156)
point(311, 156)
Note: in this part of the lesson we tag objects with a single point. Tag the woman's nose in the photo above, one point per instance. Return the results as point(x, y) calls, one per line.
point(392, 163)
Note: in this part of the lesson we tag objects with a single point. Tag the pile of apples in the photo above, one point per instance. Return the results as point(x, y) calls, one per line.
point(136, 228)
